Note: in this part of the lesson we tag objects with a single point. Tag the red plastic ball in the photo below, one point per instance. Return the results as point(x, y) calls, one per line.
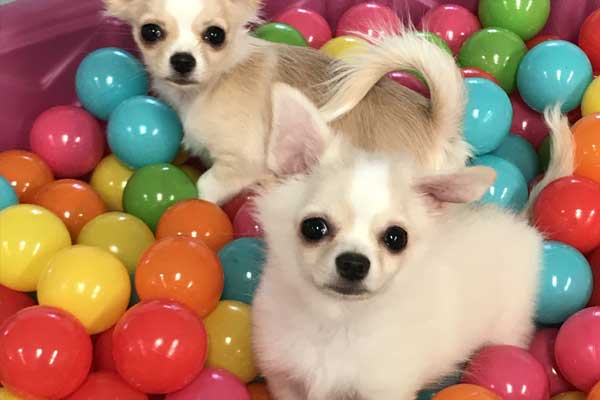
point(451, 22)
point(531, 43)
point(310, 24)
point(542, 348)
point(159, 346)
point(103, 352)
point(11, 302)
point(472, 72)
point(245, 223)
point(106, 386)
point(44, 352)
point(69, 139)
point(527, 123)
point(589, 39)
point(233, 206)
point(370, 18)
point(568, 211)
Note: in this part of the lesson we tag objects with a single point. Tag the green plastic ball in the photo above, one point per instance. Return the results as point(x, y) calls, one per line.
point(497, 51)
point(153, 189)
point(280, 33)
point(526, 18)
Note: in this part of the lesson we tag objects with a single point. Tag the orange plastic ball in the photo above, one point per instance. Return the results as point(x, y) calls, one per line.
point(181, 269)
point(594, 394)
point(74, 202)
point(587, 153)
point(466, 391)
point(259, 391)
point(199, 220)
point(25, 171)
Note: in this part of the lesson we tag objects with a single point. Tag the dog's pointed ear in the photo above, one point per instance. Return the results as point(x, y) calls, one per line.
point(299, 134)
point(122, 9)
point(465, 186)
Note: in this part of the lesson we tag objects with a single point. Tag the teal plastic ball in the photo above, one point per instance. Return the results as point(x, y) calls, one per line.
point(510, 188)
point(8, 196)
point(242, 262)
point(106, 78)
point(521, 153)
point(144, 131)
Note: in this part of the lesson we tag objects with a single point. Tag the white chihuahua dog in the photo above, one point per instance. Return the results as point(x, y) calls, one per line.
point(205, 62)
point(379, 279)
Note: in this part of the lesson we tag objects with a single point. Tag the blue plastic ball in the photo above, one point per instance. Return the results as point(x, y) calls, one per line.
point(106, 78)
point(488, 116)
point(144, 131)
point(8, 197)
point(554, 71)
point(521, 153)
point(565, 283)
point(510, 188)
point(242, 262)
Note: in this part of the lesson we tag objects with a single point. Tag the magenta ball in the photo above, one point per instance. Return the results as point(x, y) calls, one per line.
point(69, 139)
point(527, 123)
point(510, 372)
point(542, 348)
point(452, 23)
point(410, 81)
point(577, 348)
point(245, 224)
point(310, 24)
point(213, 384)
point(372, 19)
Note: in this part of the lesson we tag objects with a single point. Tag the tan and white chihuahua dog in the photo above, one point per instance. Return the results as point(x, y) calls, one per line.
point(381, 278)
point(205, 62)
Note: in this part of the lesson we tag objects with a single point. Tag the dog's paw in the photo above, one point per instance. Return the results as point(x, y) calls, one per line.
point(210, 189)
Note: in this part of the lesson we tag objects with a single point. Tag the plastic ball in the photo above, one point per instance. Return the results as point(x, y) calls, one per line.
point(159, 346)
point(44, 353)
point(589, 40)
point(313, 27)
point(123, 235)
point(103, 352)
point(554, 72)
point(106, 385)
point(181, 269)
point(277, 32)
point(74, 202)
point(542, 348)
point(568, 211)
point(106, 78)
point(521, 153)
point(259, 391)
point(510, 372)
point(197, 219)
point(233, 206)
point(144, 131)
point(11, 302)
point(409, 80)
point(245, 223)
point(69, 139)
point(230, 347)
point(153, 189)
point(88, 282)
point(25, 171)
point(344, 46)
point(595, 392)
point(8, 196)
point(525, 18)
point(472, 72)
point(488, 116)
point(370, 18)
point(587, 147)
point(510, 188)
point(242, 261)
point(213, 384)
point(570, 396)
point(577, 349)
point(591, 98)
point(6, 395)
point(594, 260)
point(497, 51)
point(109, 180)
point(527, 123)
point(453, 23)
point(465, 391)
point(531, 43)
point(29, 237)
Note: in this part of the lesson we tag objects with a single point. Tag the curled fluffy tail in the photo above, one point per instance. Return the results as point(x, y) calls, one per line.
point(356, 75)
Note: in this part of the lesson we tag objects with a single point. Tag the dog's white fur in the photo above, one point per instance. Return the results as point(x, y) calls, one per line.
point(226, 105)
point(467, 278)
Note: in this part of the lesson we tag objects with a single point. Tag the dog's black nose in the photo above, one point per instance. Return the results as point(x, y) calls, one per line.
point(184, 63)
point(352, 266)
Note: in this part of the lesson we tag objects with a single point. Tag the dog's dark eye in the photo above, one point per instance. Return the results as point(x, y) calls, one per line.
point(314, 229)
point(215, 36)
point(152, 33)
point(395, 239)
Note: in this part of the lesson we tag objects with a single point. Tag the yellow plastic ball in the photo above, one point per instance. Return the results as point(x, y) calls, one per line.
point(591, 98)
point(123, 235)
point(88, 282)
point(229, 329)
point(29, 236)
point(344, 46)
point(570, 396)
point(6, 395)
point(193, 172)
point(109, 179)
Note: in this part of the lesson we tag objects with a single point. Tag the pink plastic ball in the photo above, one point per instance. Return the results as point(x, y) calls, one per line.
point(245, 224)
point(451, 22)
point(542, 348)
point(577, 348)
point(310, 24)
point(213, 384)
point(372, 19)
point(69, 139)
point(410, 81)
point(510, 372)
point(527, 123)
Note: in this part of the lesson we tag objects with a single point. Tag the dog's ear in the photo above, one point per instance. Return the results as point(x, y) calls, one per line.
point(464, 186)
point(299, 134)
point(122, 9)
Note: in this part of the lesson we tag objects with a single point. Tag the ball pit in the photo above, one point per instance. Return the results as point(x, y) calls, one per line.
point(190, 336)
